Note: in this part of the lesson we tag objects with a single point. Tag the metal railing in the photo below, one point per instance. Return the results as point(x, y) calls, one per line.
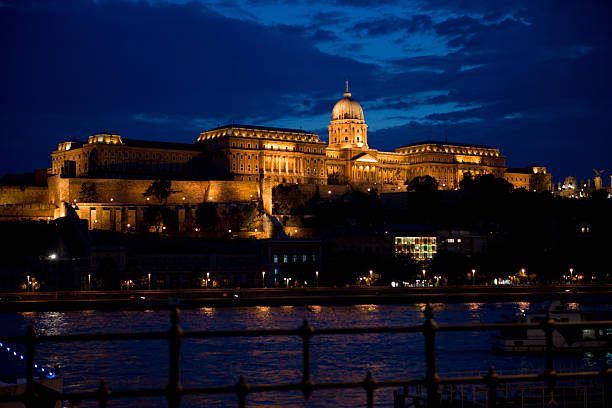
point(432, 382)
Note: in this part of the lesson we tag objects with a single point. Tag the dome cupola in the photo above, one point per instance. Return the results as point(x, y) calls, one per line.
point(348, 129)
point(347, 108)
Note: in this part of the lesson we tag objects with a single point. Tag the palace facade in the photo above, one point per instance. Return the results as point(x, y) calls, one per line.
point(241, 164)
point(257, 153)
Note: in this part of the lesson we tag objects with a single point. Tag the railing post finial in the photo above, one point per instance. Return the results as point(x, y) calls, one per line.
point(242, 389)
point(369, 384)
point(103, 394)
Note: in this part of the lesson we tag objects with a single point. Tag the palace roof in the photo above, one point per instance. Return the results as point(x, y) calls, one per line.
point(425, 142)
point(263, 128)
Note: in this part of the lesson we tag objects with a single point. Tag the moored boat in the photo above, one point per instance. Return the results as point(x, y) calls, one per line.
point(522, 339)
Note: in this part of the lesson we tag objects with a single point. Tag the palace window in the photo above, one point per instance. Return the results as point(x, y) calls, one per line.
point(285, 258)
point(275, 259)
point(295, 258)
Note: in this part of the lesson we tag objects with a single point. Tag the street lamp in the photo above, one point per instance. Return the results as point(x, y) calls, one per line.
point(28, 283)
point(149, 276)
point(89, 281)
point(370, 277)
point(317, 275)
point(263, 279)
point(473, 275)
point(207, 279)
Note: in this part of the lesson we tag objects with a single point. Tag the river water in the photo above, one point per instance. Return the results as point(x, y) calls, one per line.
point(142, 364)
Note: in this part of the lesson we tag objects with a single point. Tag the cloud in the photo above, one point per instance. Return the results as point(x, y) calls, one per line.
point(392, 24)
point(163, 70)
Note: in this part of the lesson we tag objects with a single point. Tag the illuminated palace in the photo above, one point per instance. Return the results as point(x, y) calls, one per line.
point(254, 153)
point(242, 163)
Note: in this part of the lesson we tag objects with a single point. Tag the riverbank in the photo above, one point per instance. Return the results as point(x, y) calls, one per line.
point(187, 299)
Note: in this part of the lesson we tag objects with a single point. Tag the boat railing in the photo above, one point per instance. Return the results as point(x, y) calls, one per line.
point(432, 382)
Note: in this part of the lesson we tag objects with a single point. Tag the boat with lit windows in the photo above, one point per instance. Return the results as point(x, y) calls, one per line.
point(568, 338)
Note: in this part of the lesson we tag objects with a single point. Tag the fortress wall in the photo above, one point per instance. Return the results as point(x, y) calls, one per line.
point(33, 211)
point(23, 195)
point(124, 191)
point(326, 191)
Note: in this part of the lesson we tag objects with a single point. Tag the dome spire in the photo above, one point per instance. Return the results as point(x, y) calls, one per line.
point(347, 94)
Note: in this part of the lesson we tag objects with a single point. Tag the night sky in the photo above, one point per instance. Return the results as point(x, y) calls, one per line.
point(529, 77)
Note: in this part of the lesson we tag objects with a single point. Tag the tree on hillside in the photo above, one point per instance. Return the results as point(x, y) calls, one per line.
point(161, 190)
point(467, 181)
point(422, 184)
point(88, 193)
point(337, 179)
point(251, 217)
point(287, 199)
point(486, 184)
point(207, 216)
point(539, 182)
point(158, 216)
point(233, 218)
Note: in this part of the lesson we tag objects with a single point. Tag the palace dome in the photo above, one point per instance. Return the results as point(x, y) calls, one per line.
point(347, 108)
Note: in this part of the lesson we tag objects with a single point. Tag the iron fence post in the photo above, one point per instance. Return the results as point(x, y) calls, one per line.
point(369, 384)
point(242, 389)
point(606, 372)
point(491, 379)
point(306, 333)
point(103, 394)
point(175, 334)
point(30, 343)
point(431, 376)
point(551, 376)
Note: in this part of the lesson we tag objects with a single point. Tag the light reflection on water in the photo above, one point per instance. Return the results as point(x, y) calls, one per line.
point(219, 361)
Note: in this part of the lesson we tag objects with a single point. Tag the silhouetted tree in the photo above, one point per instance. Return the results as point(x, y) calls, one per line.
point(207, 216)
point(251, 217)
point(161, 190)
point(88, 193)
point(158, 216)
point(337, 179)
point(422, 184)
point(539, 182)
point(287, 199)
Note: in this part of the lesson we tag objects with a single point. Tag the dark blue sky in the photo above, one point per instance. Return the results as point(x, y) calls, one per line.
point(529, 77)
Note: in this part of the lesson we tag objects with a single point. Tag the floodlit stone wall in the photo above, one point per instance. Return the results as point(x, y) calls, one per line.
point(122, 191)
point(23, 195)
